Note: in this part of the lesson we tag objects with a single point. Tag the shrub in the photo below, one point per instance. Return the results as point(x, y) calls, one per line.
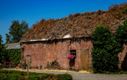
point(12, 56)
point(105, 50)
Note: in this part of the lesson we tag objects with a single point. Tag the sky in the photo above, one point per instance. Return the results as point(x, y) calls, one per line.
point(32, 11)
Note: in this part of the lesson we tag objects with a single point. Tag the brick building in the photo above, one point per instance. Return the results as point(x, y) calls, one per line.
point(66, 43)
point(44, 53)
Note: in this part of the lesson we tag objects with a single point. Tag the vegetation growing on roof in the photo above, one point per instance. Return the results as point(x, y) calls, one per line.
point(125, 11)
point(77, 25)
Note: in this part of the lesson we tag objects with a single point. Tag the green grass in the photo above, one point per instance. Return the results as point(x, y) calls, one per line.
point(17, 75)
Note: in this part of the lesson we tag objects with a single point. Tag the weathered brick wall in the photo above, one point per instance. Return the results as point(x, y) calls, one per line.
point(44, 53)
point(122, 55)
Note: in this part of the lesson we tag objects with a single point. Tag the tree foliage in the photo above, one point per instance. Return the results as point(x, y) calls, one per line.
point(7, 38)
point(1, 45)
point(13, 56)
point(105, 50)
point(1, 49)
point(121, 33)
point(16, 30)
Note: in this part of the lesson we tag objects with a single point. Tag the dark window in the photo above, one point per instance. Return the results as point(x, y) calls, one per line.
point(73, 52)
point(72, 61)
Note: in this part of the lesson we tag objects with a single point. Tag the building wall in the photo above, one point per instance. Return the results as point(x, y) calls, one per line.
point(43, 53)
point(122, 56)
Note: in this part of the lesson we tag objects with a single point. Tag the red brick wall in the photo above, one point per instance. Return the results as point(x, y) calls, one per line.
point(122, 55)
point(42, 53)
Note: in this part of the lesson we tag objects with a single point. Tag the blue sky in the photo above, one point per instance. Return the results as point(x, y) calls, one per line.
point(33, 11)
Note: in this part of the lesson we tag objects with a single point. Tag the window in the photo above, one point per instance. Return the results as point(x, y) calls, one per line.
point(72, 56)
point(73, 52)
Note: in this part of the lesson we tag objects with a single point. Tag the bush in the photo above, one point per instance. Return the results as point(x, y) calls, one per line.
point(105, 50)
point(12, 57)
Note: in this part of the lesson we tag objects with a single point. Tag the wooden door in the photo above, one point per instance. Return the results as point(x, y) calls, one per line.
point(85, 59)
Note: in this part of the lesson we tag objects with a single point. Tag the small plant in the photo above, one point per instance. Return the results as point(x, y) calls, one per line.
point(53, 65)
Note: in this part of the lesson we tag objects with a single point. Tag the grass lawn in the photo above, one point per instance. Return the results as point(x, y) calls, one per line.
point(17, 75)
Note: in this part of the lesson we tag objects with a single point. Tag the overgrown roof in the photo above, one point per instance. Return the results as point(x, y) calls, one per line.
point(77, 25)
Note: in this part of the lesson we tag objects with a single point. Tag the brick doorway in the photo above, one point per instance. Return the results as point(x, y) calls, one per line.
point(85, 59)
point(72, 57)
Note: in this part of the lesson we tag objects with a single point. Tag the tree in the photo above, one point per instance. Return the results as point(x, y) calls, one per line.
point(1, 42)
point(7, 38)
point(105, 50)
point(16, 30)
point(1, 49)
point(121, 33)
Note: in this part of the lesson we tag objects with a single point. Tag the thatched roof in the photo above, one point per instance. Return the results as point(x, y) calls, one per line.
point(77, 25)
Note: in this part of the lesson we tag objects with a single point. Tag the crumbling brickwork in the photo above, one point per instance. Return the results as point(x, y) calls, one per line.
point(44, 53)
point(122, 55)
